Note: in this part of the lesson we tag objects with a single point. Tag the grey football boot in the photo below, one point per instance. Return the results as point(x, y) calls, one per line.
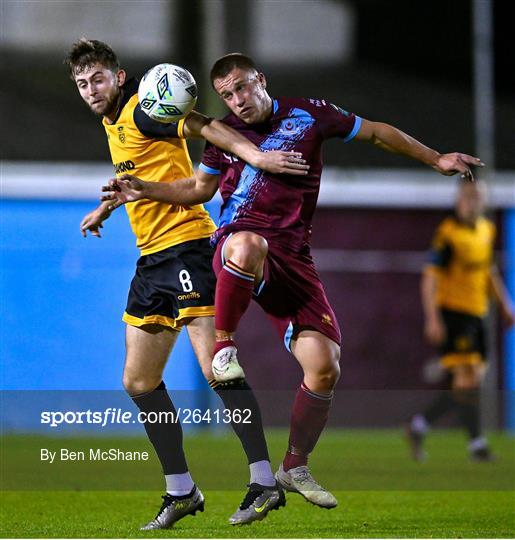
point(175, 508)
point(258, 501)
point(299, 480)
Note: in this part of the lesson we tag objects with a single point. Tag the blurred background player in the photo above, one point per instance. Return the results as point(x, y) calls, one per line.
point(456, 286)
point(175, 259)
point(263, 239)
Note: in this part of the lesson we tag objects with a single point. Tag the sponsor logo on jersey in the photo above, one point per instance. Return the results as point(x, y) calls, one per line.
point(124, 166)
point(190, 296)
point(340, 110)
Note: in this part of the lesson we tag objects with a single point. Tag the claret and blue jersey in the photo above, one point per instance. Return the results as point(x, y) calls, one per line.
point(279, 207)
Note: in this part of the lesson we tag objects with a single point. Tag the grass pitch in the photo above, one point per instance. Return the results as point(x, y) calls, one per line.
point(381, 493)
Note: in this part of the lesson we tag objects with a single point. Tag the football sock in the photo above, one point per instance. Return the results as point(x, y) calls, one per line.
point(179, 485)
point(468, 407)
point(261, 473)
point(165, 436)
point(237, 395)
point(309, 416)
point(234, 287)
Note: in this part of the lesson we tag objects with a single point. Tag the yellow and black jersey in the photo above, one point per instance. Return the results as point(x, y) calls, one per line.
point(154, 152)
point(462, 257)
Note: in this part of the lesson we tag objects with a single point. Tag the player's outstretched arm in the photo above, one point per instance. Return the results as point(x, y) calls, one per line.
point(394, 140)
point(92, 221)
point(501, 296)
point(186, 192)
point(197, 125)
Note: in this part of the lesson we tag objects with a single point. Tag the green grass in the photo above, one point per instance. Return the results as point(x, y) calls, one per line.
point(360, 514)
point(381, 493)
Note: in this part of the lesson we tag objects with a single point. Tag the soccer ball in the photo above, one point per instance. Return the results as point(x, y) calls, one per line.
point(167, 93)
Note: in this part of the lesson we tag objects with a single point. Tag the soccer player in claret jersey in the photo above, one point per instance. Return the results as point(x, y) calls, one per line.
point(263, 240)
point(455, 289)
point(175, 259)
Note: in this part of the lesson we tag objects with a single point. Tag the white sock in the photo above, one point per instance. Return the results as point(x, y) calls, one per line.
point(261, 473)
point(478, 443)
point(179, 484)
point(419, 424)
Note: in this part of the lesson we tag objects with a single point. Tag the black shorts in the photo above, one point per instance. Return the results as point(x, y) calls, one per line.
point(465, 341)
point(172, 286)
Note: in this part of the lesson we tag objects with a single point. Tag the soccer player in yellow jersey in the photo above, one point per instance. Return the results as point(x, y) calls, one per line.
point(174, 282)
point(456, 287)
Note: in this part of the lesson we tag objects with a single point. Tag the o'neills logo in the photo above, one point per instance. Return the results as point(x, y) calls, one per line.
point(190, 296)
point(124, 166)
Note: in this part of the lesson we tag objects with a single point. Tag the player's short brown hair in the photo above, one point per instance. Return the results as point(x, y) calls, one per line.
point(224, 65)
point(86, 52)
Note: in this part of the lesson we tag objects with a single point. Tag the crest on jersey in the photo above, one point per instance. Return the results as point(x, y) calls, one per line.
point(290, 127)
point(326, 319)
point(121, 134)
